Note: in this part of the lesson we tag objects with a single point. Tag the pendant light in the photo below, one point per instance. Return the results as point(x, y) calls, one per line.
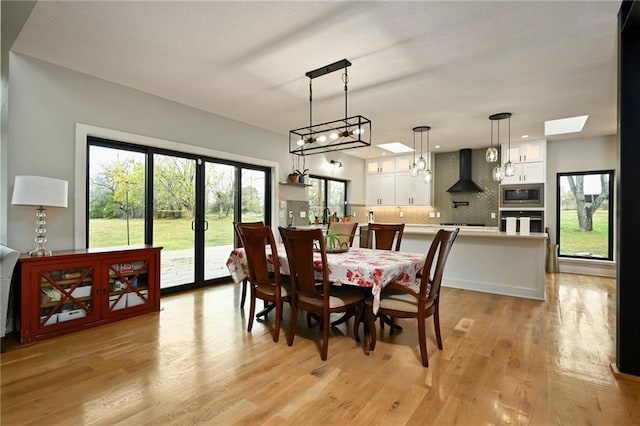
point(422, 163)
point(414, 167)
point(499, 172)
point(492, 153)
point(428, 175)
point(336, 135)
point(509, 170)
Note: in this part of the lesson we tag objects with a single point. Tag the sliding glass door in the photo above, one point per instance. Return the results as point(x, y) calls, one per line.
point(185, 203)
point(174, 220)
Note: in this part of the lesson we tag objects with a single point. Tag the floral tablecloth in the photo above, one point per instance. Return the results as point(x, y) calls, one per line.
point(359, 266)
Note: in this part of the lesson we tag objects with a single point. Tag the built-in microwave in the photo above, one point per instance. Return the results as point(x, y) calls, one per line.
point(529, 195)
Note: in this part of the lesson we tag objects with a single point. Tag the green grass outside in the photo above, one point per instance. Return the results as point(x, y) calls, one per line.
point(574, 240)
point(172, 234)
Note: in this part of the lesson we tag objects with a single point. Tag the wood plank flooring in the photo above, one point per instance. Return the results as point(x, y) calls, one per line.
point(505, 361)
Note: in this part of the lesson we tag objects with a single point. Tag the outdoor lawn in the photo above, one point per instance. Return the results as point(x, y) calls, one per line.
point(573, 240)
point(172, 234)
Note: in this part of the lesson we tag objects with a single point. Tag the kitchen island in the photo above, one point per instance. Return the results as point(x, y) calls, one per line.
point(485, 259)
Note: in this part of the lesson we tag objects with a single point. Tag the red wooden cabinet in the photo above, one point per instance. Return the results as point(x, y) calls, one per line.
point(76, 289)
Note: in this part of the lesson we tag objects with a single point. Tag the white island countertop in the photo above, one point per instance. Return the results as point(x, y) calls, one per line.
point(488, 260)
point(477, 231)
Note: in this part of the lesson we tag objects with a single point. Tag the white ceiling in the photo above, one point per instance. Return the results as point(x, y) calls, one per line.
point(448, 65)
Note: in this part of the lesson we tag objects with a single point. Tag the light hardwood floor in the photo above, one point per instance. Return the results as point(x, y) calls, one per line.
point(505, 361)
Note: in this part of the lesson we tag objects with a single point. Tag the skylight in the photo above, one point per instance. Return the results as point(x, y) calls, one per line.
point(564, 125)
point(395, 147)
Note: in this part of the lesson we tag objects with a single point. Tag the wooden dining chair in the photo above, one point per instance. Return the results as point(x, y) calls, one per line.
point(243, 295)
point(346, 231)
point(315, 296)
point(384, 234)
point(263, 284)
point(420, 301)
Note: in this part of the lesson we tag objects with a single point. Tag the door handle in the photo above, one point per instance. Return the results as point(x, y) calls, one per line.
point(206, 225)
point(193, 225)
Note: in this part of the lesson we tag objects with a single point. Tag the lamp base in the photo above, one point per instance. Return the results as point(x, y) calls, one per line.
point(40, 252)
point(41, 233)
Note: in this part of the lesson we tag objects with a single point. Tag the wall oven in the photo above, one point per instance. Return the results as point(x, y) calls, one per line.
point(530, 195)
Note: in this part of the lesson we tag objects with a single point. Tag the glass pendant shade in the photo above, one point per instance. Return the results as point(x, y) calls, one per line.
point(428, 176)
point(492, 154)
point(414, 170)
point(509, 170)
point(422, 163)
point(498, 173)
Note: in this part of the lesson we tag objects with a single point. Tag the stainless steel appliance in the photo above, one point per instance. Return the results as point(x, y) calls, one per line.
point(529, 195)
point(536, 218)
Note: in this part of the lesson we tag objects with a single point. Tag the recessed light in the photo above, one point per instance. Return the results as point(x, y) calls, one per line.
point(437, 147)
point(395, 147)
point(525, 136)
point(564, 125)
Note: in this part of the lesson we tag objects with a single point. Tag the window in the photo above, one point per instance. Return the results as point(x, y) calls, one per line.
point(585, 217)
point(327, 193)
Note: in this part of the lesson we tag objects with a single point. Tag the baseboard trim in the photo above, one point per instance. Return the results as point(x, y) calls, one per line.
point(619, 375)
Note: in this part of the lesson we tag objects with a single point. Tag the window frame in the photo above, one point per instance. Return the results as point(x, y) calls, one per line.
point(325, 182)
point(610, 219)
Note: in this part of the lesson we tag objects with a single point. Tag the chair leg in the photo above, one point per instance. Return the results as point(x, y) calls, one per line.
point(371, 321)
point(422, 338)
point(252, 309)
point(436, 325)
point(325, 336)
point(243, 295)
point(294, 323)
point(276, 328)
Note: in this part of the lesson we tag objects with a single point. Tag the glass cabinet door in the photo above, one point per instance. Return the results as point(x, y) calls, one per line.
point(128, 285)
point(66, 295)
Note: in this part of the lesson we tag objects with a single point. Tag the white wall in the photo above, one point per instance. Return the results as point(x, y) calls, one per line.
point(46, 103)
point(595, 153)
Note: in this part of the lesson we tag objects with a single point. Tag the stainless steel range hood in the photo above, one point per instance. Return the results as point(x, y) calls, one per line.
point(465, 184)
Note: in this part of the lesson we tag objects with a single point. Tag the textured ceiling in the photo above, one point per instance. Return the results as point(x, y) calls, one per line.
point(448, 65)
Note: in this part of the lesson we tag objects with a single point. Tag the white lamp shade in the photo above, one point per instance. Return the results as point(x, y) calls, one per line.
point(40, 191)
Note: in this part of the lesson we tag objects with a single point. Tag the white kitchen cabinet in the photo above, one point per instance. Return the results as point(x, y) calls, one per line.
point(528, 160)
point(526, 173)
point(389, 183)
point(381, 189)
point(525, 152)
point(381, 165)
point(412, 191)
point(381, 182)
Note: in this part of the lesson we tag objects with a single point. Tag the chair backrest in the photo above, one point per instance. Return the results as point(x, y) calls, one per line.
point(432, 272)
point(254, 239)
point(384, 234)
point(300, 244)
point(346, 231)
point(245, 224)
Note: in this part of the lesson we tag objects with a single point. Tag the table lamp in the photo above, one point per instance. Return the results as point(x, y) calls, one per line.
point(42, 192)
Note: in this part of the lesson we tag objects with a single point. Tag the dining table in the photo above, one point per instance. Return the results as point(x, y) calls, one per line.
point(362, 267)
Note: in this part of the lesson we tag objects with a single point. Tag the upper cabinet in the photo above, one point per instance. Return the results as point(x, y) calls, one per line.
point(526, 152)
point(381, 165)
point(381, 182)
point(528, 159)
point(389, 183)
point(411, 191)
